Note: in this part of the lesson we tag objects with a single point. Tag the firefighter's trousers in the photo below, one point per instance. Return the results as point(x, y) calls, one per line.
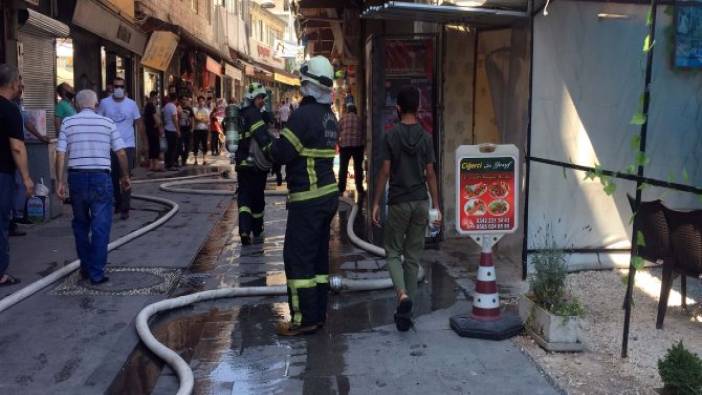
point(251, 199)
point(306, 256)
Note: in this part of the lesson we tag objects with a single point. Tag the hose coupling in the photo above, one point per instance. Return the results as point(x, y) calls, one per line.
point(335, 282)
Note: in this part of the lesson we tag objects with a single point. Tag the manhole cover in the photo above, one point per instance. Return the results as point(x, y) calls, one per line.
point(124, 281)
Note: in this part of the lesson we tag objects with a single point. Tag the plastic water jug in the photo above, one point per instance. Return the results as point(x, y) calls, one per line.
point(37, 206)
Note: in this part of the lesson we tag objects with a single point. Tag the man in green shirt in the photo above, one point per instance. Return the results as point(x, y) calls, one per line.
point(408, 160)
point(64, 108)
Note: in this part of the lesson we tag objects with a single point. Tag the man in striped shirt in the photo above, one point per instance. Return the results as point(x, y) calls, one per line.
point(88, 138)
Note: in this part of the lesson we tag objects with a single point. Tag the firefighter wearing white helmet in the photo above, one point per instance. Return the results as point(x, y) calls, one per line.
point(251, 180)
point(307, 148)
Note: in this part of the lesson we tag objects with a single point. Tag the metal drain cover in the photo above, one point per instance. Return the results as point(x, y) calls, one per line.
point(124, 281)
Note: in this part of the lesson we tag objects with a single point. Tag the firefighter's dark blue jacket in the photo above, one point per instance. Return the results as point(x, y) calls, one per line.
point(306, 147)
point(251, 121)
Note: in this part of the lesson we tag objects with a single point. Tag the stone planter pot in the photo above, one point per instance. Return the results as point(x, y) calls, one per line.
point(550, 331)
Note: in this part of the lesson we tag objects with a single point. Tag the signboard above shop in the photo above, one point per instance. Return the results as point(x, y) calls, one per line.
point(263, 53)
point(159, 50)
point(287, 50)
point(487, 191)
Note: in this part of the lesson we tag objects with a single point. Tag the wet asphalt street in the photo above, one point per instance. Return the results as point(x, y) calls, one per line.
point(232, 348)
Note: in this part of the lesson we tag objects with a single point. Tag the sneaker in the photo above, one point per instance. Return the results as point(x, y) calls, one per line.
point(403, 315)
point(289, 329)
point(103, 280)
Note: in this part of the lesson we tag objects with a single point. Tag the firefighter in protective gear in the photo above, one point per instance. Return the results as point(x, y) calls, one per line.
point(307, 148)
point(251, 180)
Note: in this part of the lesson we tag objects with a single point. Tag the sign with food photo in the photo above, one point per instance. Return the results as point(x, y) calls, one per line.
point(487, 190)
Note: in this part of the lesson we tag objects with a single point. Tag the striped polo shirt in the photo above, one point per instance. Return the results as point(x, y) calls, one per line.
point(88, 139)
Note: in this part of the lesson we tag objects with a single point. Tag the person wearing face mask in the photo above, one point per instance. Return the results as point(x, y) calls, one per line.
point(64, 107)
point(124, 112)
point(201, 113)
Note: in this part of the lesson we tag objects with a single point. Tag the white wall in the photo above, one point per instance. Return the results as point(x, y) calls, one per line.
point(588, 77)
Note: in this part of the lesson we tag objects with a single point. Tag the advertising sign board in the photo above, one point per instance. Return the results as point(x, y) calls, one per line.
point(487, 191)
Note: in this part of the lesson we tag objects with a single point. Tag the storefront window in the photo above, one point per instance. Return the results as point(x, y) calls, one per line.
point(64, 61)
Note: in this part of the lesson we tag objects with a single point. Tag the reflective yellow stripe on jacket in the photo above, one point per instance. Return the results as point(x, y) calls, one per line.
point(310, 154)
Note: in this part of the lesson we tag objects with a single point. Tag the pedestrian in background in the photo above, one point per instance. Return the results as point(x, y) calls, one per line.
point(351, 145)
point(171, 125)
point(185, 117)
point(88, 139)
point(202, 126)
point(13, 156)
point(285, 111)
point(124, 112)
point(64, 107)
point(154, 131)
point(216, 132)
point(30, 129)
point(407, 153)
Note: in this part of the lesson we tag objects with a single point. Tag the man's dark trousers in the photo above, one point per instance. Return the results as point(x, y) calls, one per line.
point(7, 196)
point(172, 151)
point(122, 198)
point(251, 199)
point(346, 153)
point(91, 198)
point(306, 257)
point(186, 135)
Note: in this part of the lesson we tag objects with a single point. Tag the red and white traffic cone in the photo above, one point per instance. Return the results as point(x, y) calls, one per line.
point(486, 299)
point(487, 320)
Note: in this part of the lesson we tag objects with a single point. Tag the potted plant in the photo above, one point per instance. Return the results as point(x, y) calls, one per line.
point(681, 371)
point(550, 314)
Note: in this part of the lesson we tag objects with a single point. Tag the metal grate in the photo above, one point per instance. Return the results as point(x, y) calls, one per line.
point(124, 281)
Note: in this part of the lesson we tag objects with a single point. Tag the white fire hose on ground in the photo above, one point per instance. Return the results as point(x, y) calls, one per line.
point(183, 370)
point(336, 282)
point(40, 284)
point(36, 286)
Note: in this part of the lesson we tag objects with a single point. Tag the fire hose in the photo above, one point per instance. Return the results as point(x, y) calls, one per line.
point(336, 282)
point(36, 286)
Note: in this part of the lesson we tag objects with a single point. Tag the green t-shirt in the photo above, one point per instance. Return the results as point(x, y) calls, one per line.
point(64, 109)
point(409, 149)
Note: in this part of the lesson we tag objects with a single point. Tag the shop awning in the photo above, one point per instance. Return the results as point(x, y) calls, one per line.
point(233, 72)
point(102, 22)
point(159, 51)
point(445, 14)
point(287, 79)
point(213, 66)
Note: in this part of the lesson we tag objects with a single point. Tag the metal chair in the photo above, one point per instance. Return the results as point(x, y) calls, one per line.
point(686, 244)
point(651, 221)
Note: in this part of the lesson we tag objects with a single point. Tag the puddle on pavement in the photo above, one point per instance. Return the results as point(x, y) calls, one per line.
point(231, 343)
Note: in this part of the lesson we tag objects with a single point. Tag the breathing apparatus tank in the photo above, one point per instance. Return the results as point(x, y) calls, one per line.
point(231, 128)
